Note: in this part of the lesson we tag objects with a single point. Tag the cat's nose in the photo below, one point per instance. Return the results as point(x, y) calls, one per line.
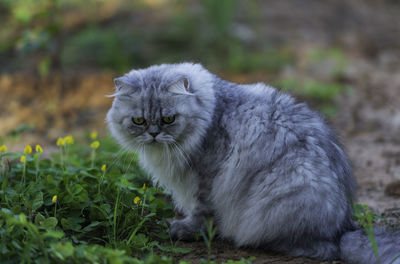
point(154, 134)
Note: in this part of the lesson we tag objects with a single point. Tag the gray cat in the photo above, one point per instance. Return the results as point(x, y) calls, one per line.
point(269, 171)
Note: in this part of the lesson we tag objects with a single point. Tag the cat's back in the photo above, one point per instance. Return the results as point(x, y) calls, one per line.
point(263, 126)
point(257, 111)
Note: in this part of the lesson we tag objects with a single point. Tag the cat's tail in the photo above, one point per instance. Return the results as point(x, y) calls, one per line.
point(357, 248)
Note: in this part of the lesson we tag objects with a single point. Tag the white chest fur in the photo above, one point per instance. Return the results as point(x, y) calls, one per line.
point(170, 173)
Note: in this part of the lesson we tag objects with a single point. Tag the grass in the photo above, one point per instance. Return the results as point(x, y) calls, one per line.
point(321, 94)
point(365, 217)
point(209, 236)
point(88, 203)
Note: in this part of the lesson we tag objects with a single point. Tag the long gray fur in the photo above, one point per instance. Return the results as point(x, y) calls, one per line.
point(269, 170)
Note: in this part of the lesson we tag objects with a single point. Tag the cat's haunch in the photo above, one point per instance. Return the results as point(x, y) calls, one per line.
point(269, 170)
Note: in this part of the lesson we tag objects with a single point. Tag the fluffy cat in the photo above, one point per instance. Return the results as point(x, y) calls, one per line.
point(269, 171)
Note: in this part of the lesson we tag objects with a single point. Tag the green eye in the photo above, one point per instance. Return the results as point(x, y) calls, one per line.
point(168, 119)
point(138, 120)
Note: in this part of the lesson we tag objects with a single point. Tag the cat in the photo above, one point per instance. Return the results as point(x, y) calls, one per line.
point(268, 170)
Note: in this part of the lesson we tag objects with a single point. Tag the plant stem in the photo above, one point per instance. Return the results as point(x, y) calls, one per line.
point(23, 173)
point(101, 181)
point(37, 167)
point(62, 157)
point(144, 201)
point(67, 155)
point(2, 165)
point(4, 185)
point(135, 231)
point(115, 217)
point(93, 156)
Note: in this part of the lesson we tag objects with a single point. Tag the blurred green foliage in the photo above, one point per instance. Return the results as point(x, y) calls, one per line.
point(321, 95)
point(42, 36)
point(45, 35)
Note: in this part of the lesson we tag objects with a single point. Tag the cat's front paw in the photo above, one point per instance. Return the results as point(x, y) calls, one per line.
point(183, 230)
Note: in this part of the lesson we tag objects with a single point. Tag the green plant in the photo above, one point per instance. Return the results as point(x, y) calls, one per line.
point(322, 94)
point(63, 214)
point(333, 58)
point(364, 216)
point(209, 236)
point(75, 209)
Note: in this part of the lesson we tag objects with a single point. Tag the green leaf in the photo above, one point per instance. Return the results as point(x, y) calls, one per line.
point(53, 234)
point(139, 240)
point(72, 223)
point(22, 13)
point(173, 249)
point(62, 250)
point(91, 226)
point(38, 201)
point(22, 218)
point(49, 223)
point(39, 218)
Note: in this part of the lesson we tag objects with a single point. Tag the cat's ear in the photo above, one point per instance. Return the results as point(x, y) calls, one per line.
point(180, 87)
point(120, 84)
point(121, 87)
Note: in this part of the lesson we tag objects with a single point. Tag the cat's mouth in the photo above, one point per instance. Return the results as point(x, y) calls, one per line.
point(153, 141)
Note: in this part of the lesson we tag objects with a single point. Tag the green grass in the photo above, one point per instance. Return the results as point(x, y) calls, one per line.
point(71, 208)
point(364, 217)
point(322, 95)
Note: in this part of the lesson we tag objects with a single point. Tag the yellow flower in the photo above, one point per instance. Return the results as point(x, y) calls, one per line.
point(39, 149)
point(60, 142)
point(3, 149)
point(103, 168)
point(95, 144)
point(137, 200)
point(23, 159)
point(144, 187)
point(54, 199)
point(93, 134)
point(28, 149)
point(69, 140)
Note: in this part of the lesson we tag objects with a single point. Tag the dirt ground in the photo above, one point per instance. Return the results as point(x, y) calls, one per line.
point(368, 120)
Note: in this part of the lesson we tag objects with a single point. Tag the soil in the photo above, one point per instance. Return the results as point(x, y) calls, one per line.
point(368, 119)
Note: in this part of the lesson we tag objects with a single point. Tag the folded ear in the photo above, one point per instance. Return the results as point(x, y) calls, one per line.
point(180, 87)
point(120, 83)
point(121, 87)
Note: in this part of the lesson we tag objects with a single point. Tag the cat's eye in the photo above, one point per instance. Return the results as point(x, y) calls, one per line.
point(138, 120)
point(168, 119)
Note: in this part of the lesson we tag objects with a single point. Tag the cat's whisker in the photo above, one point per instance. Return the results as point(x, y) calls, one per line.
point(183, 154)
point(169, 160)
point(179, 150)
point(118, 156)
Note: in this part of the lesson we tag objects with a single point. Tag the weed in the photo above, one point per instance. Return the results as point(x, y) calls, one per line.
point(209, 236)
point(60, 209)
point(364, 217)
point(74, 208)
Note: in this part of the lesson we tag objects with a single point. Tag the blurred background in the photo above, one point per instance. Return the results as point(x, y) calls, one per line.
point(58, 59)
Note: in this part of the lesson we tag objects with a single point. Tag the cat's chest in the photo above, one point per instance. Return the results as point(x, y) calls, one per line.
point(171, 173)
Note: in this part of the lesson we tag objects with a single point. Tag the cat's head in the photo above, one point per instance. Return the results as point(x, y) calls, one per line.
point(162, 105)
